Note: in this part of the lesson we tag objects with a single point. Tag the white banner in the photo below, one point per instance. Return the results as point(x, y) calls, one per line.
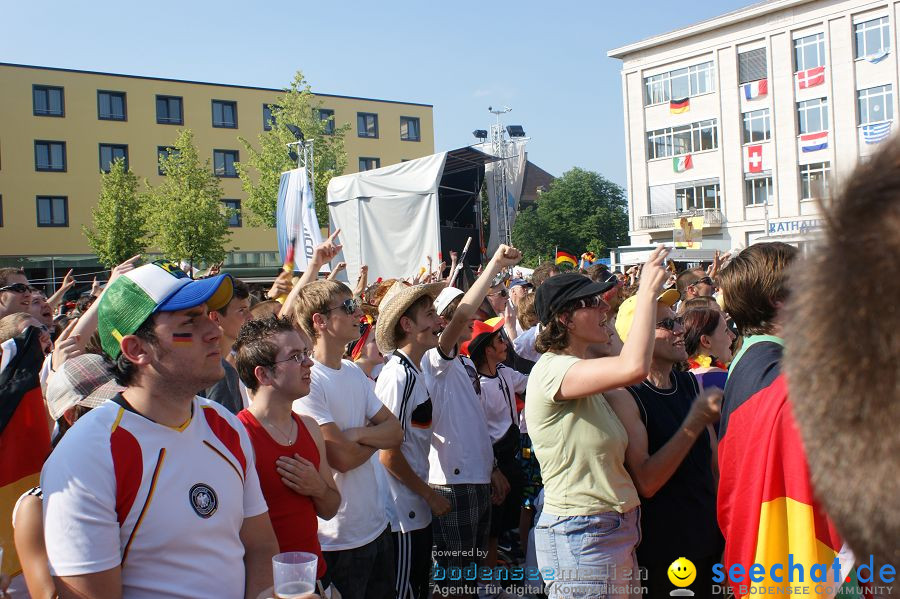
point(515, 170)
point(295, 218)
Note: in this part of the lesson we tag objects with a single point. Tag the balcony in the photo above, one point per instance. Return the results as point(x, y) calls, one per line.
point(712, 217)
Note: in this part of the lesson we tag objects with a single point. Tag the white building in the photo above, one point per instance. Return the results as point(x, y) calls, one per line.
point(784, 98)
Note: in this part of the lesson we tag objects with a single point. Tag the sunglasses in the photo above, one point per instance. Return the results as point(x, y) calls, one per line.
point(669, 323)
point(501, 293)
point(350, 306)
point(16, 288)
point(704, 281)
point(588, 302)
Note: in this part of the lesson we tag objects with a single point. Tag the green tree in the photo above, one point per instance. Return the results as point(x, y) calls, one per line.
point(187, 218)
point(261, 173)
point(582, 211)
point(119, 221)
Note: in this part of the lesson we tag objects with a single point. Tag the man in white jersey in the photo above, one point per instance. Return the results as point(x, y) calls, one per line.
point(461, 459)
point(356, 543)
point(155, 493)
point(408, 326)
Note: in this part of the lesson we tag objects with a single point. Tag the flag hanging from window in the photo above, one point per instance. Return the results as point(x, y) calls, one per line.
point(688, 232)
point(813, 142)
point(756, 89)
point(754, 159)
point(811, 77)
point(877, 57)
point(679, 106)
point(565, 257)
point(682, 163)
point(876, 132)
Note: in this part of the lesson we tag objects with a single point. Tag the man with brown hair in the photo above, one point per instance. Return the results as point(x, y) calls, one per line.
point(356, 543)
point(845, 401)
point(15, 293)
point(694, 283)
point(766, 507)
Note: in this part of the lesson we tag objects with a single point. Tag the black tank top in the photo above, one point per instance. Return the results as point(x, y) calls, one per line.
point(680, 519)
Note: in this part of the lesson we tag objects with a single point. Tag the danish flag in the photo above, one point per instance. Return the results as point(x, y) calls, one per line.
point(811, 77)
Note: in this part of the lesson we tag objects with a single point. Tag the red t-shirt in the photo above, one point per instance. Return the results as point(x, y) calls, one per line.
point(293, 515)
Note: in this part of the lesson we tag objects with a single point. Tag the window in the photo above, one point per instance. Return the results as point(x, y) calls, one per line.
point(48, 100)
point(674, 141)
point(169, 110)
point(812, 115)
point(814, 180)
point(268, 119)
point(752, 65)
point(872, 37)
point(110, 152)
point(163, 152)
point(697, 197)
point(809, 52)
point(223, 162)
point(224, 114)
point(409, 128)
point(50, 156)
point(327, 116)
point(681, 83)
point(52, 211)
point(757, 126)
point(111, 106)
point(367, 124)
point(367, 164)
point(758, 191)
point(233, 212)
point(876, 104)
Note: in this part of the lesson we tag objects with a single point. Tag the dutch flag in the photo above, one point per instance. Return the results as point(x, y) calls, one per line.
point(813, 142)
point(756, 89)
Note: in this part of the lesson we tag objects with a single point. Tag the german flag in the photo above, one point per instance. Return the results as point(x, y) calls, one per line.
point(679, 106)
point(766, 507)
point(24, 433)
point(564, 257)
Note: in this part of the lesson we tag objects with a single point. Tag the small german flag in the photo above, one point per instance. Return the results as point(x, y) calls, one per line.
point(562, 256)
point(679, 106)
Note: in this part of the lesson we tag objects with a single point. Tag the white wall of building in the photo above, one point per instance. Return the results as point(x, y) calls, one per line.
point(773, 26)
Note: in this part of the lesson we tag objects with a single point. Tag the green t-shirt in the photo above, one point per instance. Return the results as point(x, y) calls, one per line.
point(579, 443)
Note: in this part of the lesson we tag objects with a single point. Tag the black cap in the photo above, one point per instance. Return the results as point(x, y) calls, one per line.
point(563, 289)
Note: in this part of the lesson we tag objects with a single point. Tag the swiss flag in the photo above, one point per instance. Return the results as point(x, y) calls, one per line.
point(754, 158)
point(811, 77)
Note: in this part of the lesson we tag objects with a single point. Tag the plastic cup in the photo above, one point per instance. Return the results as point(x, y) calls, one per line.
point(294, 574)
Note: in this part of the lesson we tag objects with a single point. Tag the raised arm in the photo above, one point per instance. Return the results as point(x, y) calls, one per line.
point(323, 254)
point(87, 324)
point(631, 366)
point(67, 283)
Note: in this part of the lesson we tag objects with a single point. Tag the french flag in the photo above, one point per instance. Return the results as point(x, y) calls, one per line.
point(756, 89)
point(813, 142)
point(811, 77)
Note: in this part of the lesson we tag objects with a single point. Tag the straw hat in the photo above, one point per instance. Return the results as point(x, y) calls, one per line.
point(395, 302)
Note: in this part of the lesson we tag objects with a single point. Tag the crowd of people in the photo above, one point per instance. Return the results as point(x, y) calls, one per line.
point(571, 434)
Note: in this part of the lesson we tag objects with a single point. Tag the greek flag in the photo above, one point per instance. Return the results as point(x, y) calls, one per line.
point(872, 134)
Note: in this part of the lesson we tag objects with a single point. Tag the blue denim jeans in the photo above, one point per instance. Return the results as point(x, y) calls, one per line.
point(589, 556)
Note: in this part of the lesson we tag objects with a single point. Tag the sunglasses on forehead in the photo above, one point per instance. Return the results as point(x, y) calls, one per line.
point(16, 288)
point(350, 306)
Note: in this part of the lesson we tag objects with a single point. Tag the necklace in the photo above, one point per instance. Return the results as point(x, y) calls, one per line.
point(289, 436)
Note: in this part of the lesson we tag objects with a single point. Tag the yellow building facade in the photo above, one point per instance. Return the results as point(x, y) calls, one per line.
point(60, 127)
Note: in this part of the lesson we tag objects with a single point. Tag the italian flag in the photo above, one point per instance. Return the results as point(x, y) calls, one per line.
point(682, 163)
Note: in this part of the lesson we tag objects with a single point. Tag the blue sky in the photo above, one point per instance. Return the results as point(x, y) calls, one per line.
point(546, 60)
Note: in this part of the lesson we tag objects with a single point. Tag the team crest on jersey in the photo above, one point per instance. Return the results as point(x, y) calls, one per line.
point(204, 500)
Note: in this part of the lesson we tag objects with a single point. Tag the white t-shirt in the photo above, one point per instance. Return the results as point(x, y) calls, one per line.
point(167, 504)
point(347, 398)
point(524, 344)
point(401, 387)
point(498, 398)
point(461, 451)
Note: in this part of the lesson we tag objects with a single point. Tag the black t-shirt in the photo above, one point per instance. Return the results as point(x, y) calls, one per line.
point(680, 519)
point(227, 391)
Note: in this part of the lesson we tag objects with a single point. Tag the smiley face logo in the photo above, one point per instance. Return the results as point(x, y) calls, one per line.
point(682, 572)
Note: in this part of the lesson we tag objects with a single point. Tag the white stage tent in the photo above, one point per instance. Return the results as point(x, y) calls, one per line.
point(392, 218)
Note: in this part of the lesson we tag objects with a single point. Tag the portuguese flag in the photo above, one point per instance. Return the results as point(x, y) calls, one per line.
point(564, 257)
point(679, 106)
point(24, 432)
point(766, 507)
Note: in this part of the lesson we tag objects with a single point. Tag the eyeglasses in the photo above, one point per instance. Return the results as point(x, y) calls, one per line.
point(16, 288)
point(350, 306)
point(669, 323)
point(299, 357)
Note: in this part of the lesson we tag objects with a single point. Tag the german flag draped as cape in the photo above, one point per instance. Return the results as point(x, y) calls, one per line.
point(766, 507)
point(24, 433)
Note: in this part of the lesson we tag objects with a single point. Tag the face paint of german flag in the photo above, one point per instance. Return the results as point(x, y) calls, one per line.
point(182, 338)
